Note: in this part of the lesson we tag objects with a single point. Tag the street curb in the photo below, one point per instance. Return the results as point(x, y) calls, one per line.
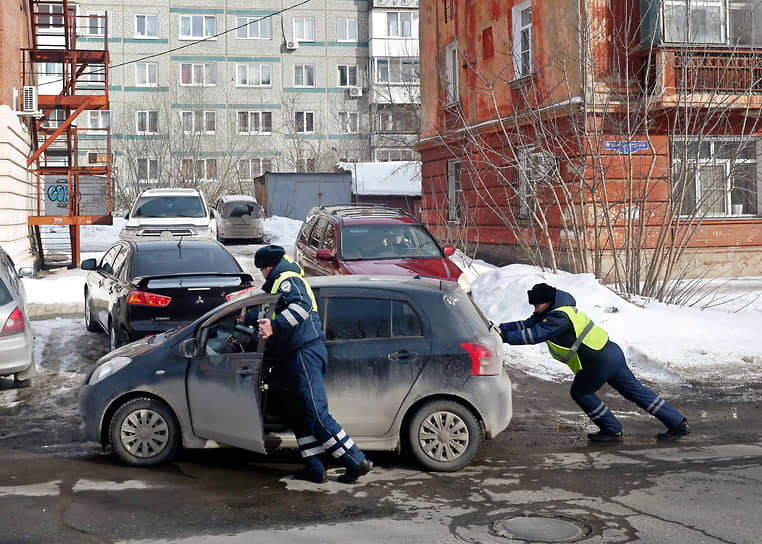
point(54, 310)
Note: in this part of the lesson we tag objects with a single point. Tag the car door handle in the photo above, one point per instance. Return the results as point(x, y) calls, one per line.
point(403, 355)
point(245, 371)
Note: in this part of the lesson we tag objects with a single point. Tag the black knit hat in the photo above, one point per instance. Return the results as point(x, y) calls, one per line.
point(541, 292)
point(268, 256)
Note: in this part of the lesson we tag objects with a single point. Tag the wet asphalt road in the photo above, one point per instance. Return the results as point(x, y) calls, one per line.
point(707, 488)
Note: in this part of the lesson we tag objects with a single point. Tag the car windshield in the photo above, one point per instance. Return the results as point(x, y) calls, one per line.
point(207, 259)
point(169, 206)
point(374, 242)
point(240, 209)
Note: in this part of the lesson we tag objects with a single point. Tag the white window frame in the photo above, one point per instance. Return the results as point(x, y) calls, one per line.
point(262, 165)
point(452, 72)
point(258, 68)
point(308, 118)
point(254, 28)
point(523, 57)
point(205, 32)
point(98, 23)
point(145, 35)
point(151, 169)
point(304, 29)
point(395, 72)
point(261, 119)
point(145, 67)
point(349, 122)
point(99, 119)
point(348, 27)
point(201, 68)
point(304, 70)
point(395, 24)
point(525, 182)
point(198, 120)
point(55, 118)
point(194, 165)
point(147, 115)
point(350, 75)
point(454, 191)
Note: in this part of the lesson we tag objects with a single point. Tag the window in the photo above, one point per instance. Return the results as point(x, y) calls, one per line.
point(251, 168)
point(454, 206)
point(402, 24)
point(199, 122)
point(199, 75)
point(304, 29)
point(55, 118)
point(199, 169)
point(397, 70)
point(254, 28)
point(717, 177)
point(304, 121)
point(346, 29)
point(93, 157)
point(395, 154)
point(451, 72)
point(197, 26)
point(50, 15)
point(347, 75)
point(449, 10)
point(95, 73)
point(522, 40)
point(148, 170)
point(488, 45)
point(304, 75)
point(96, 23)
point(100, 119)
point(349, 122)
point(397, 118)
point(255, 122)
point(145, 26)
point(525, 183)
point(146, 74)
point(699, 21)
point(349, 318)
point(147, 122)
point(255, 75)
point(745, 22)
point(306, 165)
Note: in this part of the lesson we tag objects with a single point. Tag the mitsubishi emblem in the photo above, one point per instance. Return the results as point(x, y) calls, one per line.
point(199, 300)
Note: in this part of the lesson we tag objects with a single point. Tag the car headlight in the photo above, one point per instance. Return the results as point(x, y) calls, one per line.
point(108, 368)
point(464, 283)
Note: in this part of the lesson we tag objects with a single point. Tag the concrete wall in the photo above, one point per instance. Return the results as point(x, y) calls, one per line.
point(15, 188)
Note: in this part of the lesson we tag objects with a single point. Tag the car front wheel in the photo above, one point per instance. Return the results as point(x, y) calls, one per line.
point(144, 432)
point(444, 435)
point(90, 323)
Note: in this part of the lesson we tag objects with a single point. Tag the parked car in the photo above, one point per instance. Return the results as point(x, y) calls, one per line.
point(239, 217)
point(412, 364)
point(16, 354)
point(169, 214)
point(143, 288)
point(372, 239)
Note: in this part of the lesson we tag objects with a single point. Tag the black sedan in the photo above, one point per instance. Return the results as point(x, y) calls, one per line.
point(142, 288)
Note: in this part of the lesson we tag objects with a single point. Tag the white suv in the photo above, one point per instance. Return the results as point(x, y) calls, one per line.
point(166, 214)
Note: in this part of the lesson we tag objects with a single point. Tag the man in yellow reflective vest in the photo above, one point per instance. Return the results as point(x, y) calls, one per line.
point(574, 339)
point(295, 336)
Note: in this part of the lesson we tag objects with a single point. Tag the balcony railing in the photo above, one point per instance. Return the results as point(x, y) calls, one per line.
point(703, 71)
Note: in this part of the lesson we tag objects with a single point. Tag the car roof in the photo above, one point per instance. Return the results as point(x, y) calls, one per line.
point(365, 213)
point(171, 192)
point(235, 198)
point(163, 245)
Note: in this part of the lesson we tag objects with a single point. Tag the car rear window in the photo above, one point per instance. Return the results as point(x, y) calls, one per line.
point(183, 260)
point(5, 294)
point(467, 312)
point(240, 209)
point(169, 206)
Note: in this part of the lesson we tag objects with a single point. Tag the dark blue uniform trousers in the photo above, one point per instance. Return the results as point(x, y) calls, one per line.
point(612, 368)
point(315, 429)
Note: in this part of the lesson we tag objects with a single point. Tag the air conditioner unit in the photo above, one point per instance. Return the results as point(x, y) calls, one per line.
point(30, 99)
point(292, 44)
point(355, 92)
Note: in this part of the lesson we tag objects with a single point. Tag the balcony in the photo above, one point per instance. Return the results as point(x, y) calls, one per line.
point(703, 75)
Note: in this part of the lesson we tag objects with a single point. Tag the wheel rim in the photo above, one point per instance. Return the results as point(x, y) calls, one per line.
point(87, 311)
point(443, 436)
point(144, 433)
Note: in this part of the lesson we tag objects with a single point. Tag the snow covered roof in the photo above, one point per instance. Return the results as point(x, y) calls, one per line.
point(384, 178)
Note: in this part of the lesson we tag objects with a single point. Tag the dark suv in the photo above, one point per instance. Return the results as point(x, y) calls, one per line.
point(372, 239)
point(412, 364)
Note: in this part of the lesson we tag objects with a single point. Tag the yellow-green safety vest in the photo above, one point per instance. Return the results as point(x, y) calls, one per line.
point(291, 274)
point(587, 333)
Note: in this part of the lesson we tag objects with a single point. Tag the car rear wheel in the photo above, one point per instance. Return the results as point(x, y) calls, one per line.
point(90, 323)
point(444, 435)
point(144, 432)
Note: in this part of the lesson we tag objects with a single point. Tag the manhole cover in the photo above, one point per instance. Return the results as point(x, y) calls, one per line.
point(541, 529)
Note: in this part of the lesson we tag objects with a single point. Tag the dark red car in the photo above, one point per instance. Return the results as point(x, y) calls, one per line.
point(372, 239)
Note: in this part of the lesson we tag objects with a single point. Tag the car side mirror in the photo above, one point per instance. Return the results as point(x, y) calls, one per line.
point(448, 251)
point(187, 348)
point(88, 264)
point(26, 272)
point(323, 255)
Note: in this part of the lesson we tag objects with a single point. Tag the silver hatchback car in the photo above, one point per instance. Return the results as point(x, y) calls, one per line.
point(413, 365)
point(239, 217)
point(16, 354)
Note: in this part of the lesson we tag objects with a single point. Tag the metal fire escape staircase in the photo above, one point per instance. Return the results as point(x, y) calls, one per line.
point(66, 74)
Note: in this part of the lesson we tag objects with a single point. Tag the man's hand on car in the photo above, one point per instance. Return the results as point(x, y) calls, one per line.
point(265, 328)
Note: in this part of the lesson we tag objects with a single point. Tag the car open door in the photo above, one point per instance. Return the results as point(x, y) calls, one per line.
point(224, 378)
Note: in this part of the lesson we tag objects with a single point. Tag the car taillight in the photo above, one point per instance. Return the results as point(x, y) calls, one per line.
point(14, 324)
point(143, 298)
point(484, 362)
point(241, 293)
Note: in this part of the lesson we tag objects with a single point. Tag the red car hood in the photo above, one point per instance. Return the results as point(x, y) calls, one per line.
point(432, 268)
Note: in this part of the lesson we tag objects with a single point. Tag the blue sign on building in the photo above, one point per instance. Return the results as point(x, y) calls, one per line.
point(626, 147)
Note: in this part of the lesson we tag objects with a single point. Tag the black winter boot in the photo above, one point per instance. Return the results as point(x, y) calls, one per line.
point(353, 473)
point(675, 432)
point(601, 436)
